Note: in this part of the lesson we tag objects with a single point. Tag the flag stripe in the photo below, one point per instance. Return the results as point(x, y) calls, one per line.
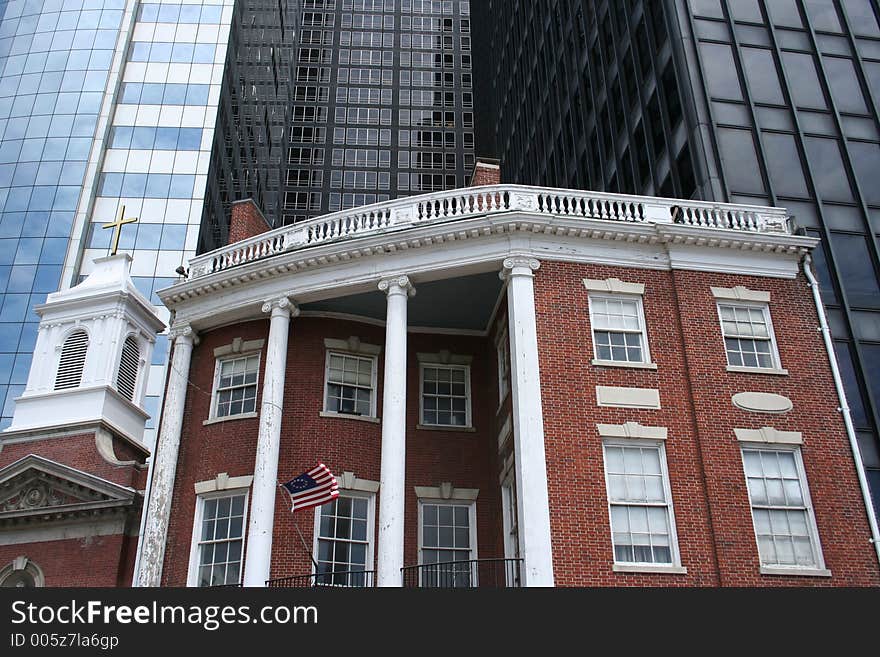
point(312, 488)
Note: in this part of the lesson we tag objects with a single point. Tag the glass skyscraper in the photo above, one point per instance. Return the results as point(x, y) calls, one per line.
point(103, 104)
point(749, 101)
point(373, 101)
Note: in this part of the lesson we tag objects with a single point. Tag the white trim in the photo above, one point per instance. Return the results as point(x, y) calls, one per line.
point(466, 368)
point(446, 492)
point(616, 363)
point(212, 411)
point(364, 352)
point(223, 482)
point(622, 397)
point(228, 418)
point(504, 433)
point(192, 576)
point(349, 416)
point(614, 286)
point(675, 554)
point(502, 356)
point(348, 481)
point(370, 497)
point(762, 402)
point(648, 568)
point(239, 346)
point(353, 346)
point(22, 564)
point(643, 329)
point(776, 361)
point(813, 528)
point(444, 357)
point(632, 430)
point(795, 572)
point(777, 371)
point(472, 521)
point(740, 293)
point(769, 435)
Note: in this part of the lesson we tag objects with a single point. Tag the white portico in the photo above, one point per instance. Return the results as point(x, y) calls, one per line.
point(466, 238)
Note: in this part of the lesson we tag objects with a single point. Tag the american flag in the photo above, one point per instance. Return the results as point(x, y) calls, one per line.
point(312, 488)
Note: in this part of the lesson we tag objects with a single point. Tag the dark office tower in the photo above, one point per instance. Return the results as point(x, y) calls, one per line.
point(750, 101)
point(249, 150)
point(382, 103)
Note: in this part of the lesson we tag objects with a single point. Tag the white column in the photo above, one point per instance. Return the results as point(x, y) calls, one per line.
point(528, 424)
point(152, 553)
point(258, 554)
point(392, 485)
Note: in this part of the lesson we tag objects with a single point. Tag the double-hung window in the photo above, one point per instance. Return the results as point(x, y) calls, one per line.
point(446, 395)
point(235, 386)
point(785, 526)
point(448, 544)
point(748, 335)
point(502, 354)
point(344, 541)
point(642, 520)
point(218, 539)
point(619, 333)
point(350, 384)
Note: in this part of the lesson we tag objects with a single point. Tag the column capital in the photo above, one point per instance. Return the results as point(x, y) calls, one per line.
point(518, 266)
point(281, 304)
point(397, 285)
point(183, 330)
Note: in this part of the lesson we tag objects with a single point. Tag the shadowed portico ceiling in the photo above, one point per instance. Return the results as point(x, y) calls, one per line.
point(454, 303)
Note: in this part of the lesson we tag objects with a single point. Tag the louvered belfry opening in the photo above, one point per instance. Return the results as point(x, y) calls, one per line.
point(73, 359)
point(126, 378)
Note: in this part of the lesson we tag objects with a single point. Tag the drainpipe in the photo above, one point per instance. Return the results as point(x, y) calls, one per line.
point(844, 408)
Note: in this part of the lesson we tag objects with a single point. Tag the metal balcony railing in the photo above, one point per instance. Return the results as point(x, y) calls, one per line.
point(341, 579)
point(497, 573)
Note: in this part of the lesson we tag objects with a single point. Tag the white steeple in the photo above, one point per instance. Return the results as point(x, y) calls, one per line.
point(92, 356)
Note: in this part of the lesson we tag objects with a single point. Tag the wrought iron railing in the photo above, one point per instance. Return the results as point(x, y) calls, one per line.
point(342, 579)
point(498, 573)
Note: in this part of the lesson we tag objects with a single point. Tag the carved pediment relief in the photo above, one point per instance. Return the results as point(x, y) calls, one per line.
point(36, 485)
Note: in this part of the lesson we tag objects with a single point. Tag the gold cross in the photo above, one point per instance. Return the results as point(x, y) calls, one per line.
point(117, 228)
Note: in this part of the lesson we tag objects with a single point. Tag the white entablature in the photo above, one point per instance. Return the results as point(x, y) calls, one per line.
point(472, 230)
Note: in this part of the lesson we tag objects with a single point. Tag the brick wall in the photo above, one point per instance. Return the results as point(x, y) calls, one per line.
point(90, 561)
point(712, 512)
point(467, 459)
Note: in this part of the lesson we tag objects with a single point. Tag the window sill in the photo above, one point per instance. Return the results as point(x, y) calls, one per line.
point(757, 370)
point(453, 428)
point(795, 572)
point(227, 418)
point(648, 568)
point(349, 416)
point(620, 363)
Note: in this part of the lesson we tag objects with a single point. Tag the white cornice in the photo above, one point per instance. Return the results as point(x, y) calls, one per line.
point(470, 245)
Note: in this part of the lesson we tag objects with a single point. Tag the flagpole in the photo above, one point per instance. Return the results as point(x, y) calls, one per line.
point(305, 547)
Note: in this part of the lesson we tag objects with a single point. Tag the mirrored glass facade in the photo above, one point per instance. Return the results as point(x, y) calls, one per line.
point(55, 56)
point(379, 104)
point(750, 101)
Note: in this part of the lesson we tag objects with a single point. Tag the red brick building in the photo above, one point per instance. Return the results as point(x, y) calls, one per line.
point(586, 389)
point(73, 465)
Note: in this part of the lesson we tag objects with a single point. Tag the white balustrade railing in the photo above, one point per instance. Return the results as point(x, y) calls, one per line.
point(496, 199)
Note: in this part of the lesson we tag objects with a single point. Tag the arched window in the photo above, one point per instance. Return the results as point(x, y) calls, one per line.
point(126, 377)
point(73, 359)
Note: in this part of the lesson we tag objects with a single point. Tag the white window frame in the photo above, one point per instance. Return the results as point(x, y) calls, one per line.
point(371, 529)
point(675, 555)
point(819, 568)
point(643, 329)
point(776, 363)
point(502, 354)
point(467, 391)
point(192, 579)
point(472, 519)
point(218, 361)
point(374, 384)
